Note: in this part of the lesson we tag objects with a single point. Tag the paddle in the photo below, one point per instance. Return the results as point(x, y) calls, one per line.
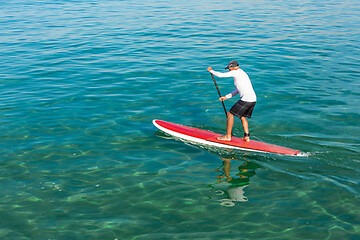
point(219, 93)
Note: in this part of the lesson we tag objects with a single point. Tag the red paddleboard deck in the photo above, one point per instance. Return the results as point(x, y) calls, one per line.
point(210, 138)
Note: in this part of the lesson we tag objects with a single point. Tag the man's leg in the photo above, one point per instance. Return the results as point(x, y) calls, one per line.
point(229, 126)
point(246, 127)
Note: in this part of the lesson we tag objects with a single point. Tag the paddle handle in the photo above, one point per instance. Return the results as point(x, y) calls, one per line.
point(217, 88)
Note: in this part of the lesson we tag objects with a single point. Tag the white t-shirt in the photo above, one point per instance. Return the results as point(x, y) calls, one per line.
point(242, 83)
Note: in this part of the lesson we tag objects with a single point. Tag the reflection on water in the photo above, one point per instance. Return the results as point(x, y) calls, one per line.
point(231, 187)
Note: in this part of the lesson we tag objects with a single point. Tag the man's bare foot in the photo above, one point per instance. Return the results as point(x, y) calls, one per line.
point(224, 138)
point(247, 139)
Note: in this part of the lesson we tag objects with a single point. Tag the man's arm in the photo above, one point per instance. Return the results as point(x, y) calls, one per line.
point(220, 74)
point(233, 93)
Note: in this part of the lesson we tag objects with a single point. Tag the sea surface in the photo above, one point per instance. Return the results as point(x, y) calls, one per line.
point(81, 82)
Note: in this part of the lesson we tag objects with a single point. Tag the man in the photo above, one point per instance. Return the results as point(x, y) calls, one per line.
point(244, 107)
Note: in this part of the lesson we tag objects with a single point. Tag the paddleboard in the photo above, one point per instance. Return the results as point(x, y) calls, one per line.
point(210, 138)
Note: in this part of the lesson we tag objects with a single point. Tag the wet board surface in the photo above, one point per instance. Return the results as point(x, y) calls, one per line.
point(210, 138)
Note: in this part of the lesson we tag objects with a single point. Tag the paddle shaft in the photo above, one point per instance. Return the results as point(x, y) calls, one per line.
point(217, 88)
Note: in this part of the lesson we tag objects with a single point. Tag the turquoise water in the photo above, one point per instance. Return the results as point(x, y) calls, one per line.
point(81, 82)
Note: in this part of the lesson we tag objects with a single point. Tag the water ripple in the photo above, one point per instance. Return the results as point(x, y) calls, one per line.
point(81, 82)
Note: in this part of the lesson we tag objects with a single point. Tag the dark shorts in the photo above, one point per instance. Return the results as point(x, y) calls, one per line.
point(242, 109)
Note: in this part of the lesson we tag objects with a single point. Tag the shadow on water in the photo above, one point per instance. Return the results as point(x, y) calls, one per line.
point(229, 186)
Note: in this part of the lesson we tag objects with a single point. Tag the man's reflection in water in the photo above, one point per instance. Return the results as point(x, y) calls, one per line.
point(235, 187)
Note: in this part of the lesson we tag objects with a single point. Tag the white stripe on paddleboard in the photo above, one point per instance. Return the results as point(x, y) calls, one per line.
point(202, 141)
